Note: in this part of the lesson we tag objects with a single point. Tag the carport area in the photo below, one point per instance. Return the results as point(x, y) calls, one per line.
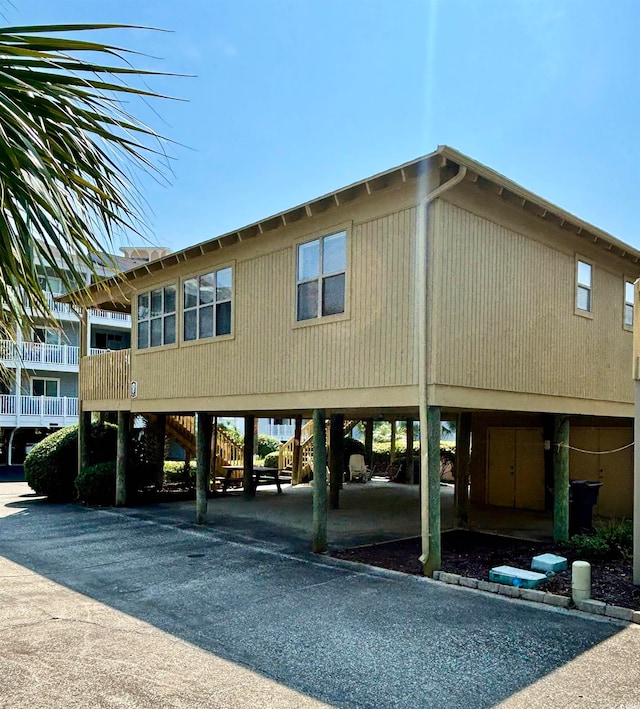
point(374, 512)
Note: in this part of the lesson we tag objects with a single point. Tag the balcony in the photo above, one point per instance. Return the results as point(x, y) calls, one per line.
point(40, 355)
point(66, 311)
point(37, 411)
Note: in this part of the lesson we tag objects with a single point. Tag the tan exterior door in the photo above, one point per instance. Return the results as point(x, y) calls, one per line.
point(516, 468)
point(613, 470)
point(502, 467)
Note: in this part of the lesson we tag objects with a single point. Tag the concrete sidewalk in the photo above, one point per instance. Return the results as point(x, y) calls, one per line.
point(105, 609)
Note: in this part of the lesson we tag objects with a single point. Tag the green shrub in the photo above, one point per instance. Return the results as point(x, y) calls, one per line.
point(272, 460)
point(618, 533)
point(588, 546)
point(96, 484)
point(50, 468)
point(612, 539)
point(177, 472)
point(267, 444)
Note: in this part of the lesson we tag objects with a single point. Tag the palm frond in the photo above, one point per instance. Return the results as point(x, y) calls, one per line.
point(69, 153)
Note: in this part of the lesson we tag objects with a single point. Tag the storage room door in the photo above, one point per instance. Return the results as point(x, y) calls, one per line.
point(529, 469)
point(502, 467)
point(516, 468)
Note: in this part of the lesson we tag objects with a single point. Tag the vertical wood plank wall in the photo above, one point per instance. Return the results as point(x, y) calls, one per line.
point(505, 319)
point(105, 376)
point(372, 347)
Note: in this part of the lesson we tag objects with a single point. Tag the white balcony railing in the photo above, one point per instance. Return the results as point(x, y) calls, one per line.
point(66, 309)
point(41, 353)
point(38, 410)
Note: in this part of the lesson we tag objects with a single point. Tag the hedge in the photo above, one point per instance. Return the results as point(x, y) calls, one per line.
point(51, 467)
point(96, 484)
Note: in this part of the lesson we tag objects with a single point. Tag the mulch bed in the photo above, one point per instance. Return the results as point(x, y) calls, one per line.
point(472, 554)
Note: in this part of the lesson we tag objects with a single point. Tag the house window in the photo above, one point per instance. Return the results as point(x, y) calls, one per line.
point(583, 286)
point(207, 305)
point(45, 387)
point(628, 304)
point(52, 284)
point(157, 317)
point(321, 276)
point(47, 335)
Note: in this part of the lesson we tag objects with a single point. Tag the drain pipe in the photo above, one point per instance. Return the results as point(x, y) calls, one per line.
point(10, 444)
point(429, 559)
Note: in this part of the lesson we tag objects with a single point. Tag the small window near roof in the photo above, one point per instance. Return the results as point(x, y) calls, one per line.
point(156, 317)
point(207, 305)
point(322, 265)
point(583, 286)
point(628, 304)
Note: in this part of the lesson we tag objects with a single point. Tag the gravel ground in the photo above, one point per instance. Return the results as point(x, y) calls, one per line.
point(473, 554)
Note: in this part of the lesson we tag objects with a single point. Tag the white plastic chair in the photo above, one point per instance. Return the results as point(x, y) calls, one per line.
point(357, 468)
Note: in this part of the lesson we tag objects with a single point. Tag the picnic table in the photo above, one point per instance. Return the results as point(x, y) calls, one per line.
point(261, 474)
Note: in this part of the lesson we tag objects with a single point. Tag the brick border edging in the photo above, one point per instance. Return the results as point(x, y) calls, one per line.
point(551, 599)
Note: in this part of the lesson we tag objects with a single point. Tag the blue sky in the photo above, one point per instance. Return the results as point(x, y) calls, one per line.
point(294, 98)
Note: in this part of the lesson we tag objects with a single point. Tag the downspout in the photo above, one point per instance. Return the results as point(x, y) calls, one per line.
point(423, 277)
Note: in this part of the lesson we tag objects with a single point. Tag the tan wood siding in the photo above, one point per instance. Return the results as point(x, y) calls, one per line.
point(270, 353)
point(106, 376)
point(505, 319)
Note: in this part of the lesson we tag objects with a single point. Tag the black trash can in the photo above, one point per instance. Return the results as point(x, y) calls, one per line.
point(583, 495)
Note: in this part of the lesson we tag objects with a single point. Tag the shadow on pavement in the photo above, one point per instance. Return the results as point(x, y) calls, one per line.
point(344, 636)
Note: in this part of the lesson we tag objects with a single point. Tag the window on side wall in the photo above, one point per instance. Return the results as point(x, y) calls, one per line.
point(207, 305)
point(628, 304)
point(584, 293)
point(321, 277)
point(156, 322)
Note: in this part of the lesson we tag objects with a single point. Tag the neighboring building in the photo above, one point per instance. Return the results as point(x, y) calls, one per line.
point(439, 284)
point(42, 394)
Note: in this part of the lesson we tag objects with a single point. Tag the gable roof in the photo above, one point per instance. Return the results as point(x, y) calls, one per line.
point(100, 293)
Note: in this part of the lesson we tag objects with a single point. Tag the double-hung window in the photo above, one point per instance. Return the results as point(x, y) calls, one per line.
point(584, 274)
point(321, 277)
point(157, 317)
point(207, 305)
point(628, 304)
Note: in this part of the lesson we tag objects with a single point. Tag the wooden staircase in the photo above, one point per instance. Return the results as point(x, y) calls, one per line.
point(285, 460)
point(182, 430)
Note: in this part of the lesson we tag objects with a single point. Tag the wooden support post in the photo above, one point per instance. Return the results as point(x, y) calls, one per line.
point(319, 541)
point(368, 441)
point(336, 459)
point(463, 446)
point(84, 428)
point(561, 479)
point(249, 441)
point(430, 474)
point(203, 464)
point(121, 458)
point(159, 435)
point(214, 450)
point(409, 455)
point(295, 465)
point(84, 438)
point(636, 476)
point(392, 454)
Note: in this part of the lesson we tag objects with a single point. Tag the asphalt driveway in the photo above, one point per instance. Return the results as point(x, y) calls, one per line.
point(107, 608)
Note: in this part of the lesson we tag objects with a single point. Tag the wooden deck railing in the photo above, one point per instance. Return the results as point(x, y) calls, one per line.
point(106, 376)
point(306, 445)
point(185, 429)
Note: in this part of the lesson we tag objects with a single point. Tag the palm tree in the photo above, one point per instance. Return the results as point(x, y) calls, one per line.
point(69, 154)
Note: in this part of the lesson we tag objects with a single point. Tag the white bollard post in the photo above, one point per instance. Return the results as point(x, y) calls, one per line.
point(580, 581)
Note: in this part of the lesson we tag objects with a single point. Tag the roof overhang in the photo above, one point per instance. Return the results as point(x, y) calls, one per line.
point(114, 293)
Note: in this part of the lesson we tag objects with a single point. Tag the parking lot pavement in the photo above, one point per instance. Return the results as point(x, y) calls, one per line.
point(103, 609)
